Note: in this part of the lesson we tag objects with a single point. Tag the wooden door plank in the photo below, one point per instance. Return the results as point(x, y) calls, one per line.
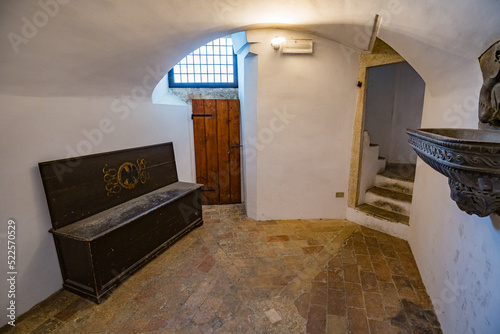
point(200, 154)
point(234, 157)
point(212, 192)
point(223, 149)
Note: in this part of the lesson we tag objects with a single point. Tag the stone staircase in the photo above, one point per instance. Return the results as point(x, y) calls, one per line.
point(387, 204)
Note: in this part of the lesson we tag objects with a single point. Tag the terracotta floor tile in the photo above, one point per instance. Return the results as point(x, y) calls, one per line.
point(321, 276)
point(277, 238)
point(358, 322)
point(372, 305)
point(351, 273)
point(404, 287)
point(390, 296)
point(382, 327)
point(395, 266)
point(376, 254)
point(155, 324)
point(68, 312)
point(360, 248)
point(382, 272)
point(207, 264)
point(336, 302)
point(319, 292)
point(364, 262)
point(335, 262)
point(302, 304)
point(336, 279)
point(388, 250)
point(371, 241)
point(237, 275)
point(316, 321)
point(312, 249)
point(336, 324)
point(354, 295)
point(369, 281)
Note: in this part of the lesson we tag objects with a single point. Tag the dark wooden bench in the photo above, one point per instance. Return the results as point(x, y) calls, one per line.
point(113, 212)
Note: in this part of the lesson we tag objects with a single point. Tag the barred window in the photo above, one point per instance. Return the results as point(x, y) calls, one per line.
point(212, 65)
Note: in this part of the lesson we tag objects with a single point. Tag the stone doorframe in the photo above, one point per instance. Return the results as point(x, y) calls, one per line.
point(382, 54)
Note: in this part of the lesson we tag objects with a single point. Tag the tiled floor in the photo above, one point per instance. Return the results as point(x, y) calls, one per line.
point(237, 275)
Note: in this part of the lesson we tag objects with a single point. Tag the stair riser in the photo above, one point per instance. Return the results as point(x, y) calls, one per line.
point(404, 187)
point(394, 229)
point(388, 204)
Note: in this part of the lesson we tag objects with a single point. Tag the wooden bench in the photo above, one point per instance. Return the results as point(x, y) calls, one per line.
point(113, 212)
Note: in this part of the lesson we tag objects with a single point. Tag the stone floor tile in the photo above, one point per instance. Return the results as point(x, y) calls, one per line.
point(319, 292)
point(337, 302)
point(388, 250)
point(237, 275)
point(336, 324)
point(322, 276)
point(382, 327)
point(335, 262)
point(348, 256)
point(364, 262)
point(382, 272)
point(369, 281)
point(372, 305)
point(357, 320)
point(312, 249)
point(302, 304)
point(390, 296)
point(49, 326)
point(351, 273)
point(207, 311)
point(395, 266)
point(376, 254)
point(316, 320)
point(69, 311)
point(354, 295)
point(404, 287)
point(360, 248)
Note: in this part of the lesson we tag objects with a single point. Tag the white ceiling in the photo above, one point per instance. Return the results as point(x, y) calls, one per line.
point(103, 47)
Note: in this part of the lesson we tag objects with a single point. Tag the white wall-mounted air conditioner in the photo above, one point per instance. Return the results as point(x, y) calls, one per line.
point(297, 46)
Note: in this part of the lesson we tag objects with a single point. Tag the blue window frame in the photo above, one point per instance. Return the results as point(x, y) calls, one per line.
point(213, 65)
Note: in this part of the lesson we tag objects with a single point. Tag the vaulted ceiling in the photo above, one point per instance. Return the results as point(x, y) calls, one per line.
point(103, 47)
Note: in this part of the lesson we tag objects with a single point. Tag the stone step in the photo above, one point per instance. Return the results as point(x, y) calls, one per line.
point(389, 200)
point(384, 214)
point(380, 220)
point(397, 185)
point(405, 172)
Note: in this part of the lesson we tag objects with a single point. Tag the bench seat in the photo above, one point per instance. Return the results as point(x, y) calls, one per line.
point(104, 222)
point(114, 212)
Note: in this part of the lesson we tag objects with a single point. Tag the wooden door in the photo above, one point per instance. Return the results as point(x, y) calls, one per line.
point(216, 126)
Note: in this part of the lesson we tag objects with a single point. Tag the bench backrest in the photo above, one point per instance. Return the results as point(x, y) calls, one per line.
point(80, 187)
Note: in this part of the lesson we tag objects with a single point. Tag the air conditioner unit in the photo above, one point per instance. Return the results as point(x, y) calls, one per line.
point(298, 46)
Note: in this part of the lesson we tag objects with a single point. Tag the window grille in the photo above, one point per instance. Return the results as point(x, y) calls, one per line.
point(212, 65)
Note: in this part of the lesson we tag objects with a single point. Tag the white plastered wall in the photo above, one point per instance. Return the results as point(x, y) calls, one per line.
point(42, 129)
point(304, 113)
